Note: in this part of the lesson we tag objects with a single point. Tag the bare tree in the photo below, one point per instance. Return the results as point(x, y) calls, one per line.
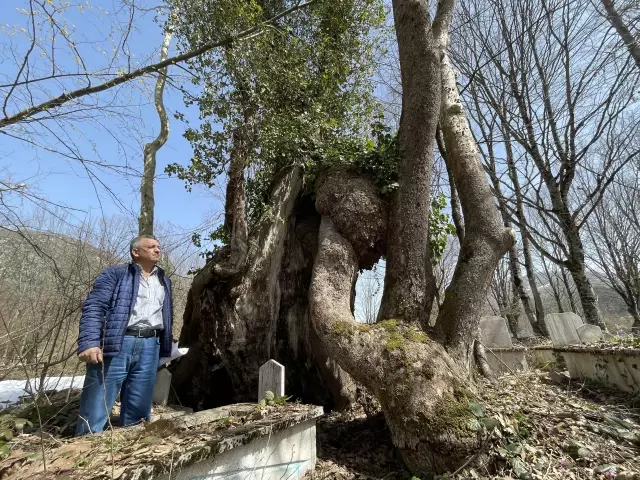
point(490, 140)
point(621, 27)
point(56, 90)
point(519, 214)
point(48, 57)
point(614, 233)
point(503, 299)
point(49, 108)
point(147, 199)
point(560, 98)
point(48, 267)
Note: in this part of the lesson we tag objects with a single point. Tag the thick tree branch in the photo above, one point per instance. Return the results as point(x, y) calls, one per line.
point(486, 238)
point(618, 23)
point(406, 292)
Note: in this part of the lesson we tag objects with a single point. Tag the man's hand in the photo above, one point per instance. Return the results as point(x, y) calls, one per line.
point(91, 355)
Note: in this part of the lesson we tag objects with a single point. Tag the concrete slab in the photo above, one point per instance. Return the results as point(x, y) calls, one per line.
point(616, 368)
point(289, 453)
point(507, 361)
point(248, 442)
point(541, 357)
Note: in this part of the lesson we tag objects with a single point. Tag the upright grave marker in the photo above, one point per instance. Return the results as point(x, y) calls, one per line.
point(271, 379)
point(563, 328)
point(162, 387)
point(495, 333)
point(589, 333)
point(502, 356)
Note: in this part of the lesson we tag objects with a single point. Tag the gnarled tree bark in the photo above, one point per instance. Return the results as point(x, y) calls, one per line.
point(422, 391)
point(237, 319)
point(421, 377)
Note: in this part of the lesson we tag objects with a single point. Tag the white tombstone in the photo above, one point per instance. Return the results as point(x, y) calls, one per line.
point(589, 333)
point(271, 379)
point(495, 335)
point(494, 332)
point(563, 328)
point(162, 387)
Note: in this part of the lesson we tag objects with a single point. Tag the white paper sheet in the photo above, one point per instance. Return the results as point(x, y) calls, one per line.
point(175, 353)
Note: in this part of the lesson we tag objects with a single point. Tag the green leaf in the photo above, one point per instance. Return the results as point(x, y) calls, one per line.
point(6, 435)
point(519, 468)
point(514, 448)
point(21, 423)
point(476, 409)
point(605, 469)
point(269, 395)
point(490, 423)
point(4, 450)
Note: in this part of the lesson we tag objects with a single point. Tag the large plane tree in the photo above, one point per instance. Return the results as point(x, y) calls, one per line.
point(311, 200)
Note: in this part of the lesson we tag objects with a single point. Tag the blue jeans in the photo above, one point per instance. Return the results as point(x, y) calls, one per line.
point(132, 374)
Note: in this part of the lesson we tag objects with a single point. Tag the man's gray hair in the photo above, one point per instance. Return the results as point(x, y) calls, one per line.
point(135, 243)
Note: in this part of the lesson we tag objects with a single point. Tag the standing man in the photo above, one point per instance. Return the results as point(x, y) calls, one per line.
point(125, 327)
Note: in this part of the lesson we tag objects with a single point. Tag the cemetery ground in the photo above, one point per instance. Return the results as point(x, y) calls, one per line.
point(536, 424)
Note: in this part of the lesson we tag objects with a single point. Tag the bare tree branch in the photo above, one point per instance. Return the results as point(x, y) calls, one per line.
point(157, 67)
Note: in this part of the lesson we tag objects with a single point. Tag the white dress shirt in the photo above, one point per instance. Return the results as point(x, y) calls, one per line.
point(147, 310)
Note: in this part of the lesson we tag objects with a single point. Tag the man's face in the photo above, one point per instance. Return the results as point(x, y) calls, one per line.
point(148, 251)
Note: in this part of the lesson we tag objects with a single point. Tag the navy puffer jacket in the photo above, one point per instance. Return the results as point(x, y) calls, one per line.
point(107, 310)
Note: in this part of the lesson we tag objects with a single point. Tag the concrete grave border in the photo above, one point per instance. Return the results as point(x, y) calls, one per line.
point(231, 442)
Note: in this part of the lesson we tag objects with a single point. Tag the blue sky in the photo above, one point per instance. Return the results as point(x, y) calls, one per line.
point(112, 139)
point(65, 181)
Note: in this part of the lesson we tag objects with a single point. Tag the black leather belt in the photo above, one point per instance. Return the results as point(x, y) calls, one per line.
point(143, 333)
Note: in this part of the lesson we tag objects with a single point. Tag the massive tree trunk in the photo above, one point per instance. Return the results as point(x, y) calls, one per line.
point(422, 378)
point(302, 261)
point(406, 294)
point(238, 318)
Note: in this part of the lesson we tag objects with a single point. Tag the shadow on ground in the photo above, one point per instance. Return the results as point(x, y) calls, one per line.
point(354, 446)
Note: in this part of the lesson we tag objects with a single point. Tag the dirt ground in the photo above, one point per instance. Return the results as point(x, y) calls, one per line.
point(534, 425)
point(542, 426)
